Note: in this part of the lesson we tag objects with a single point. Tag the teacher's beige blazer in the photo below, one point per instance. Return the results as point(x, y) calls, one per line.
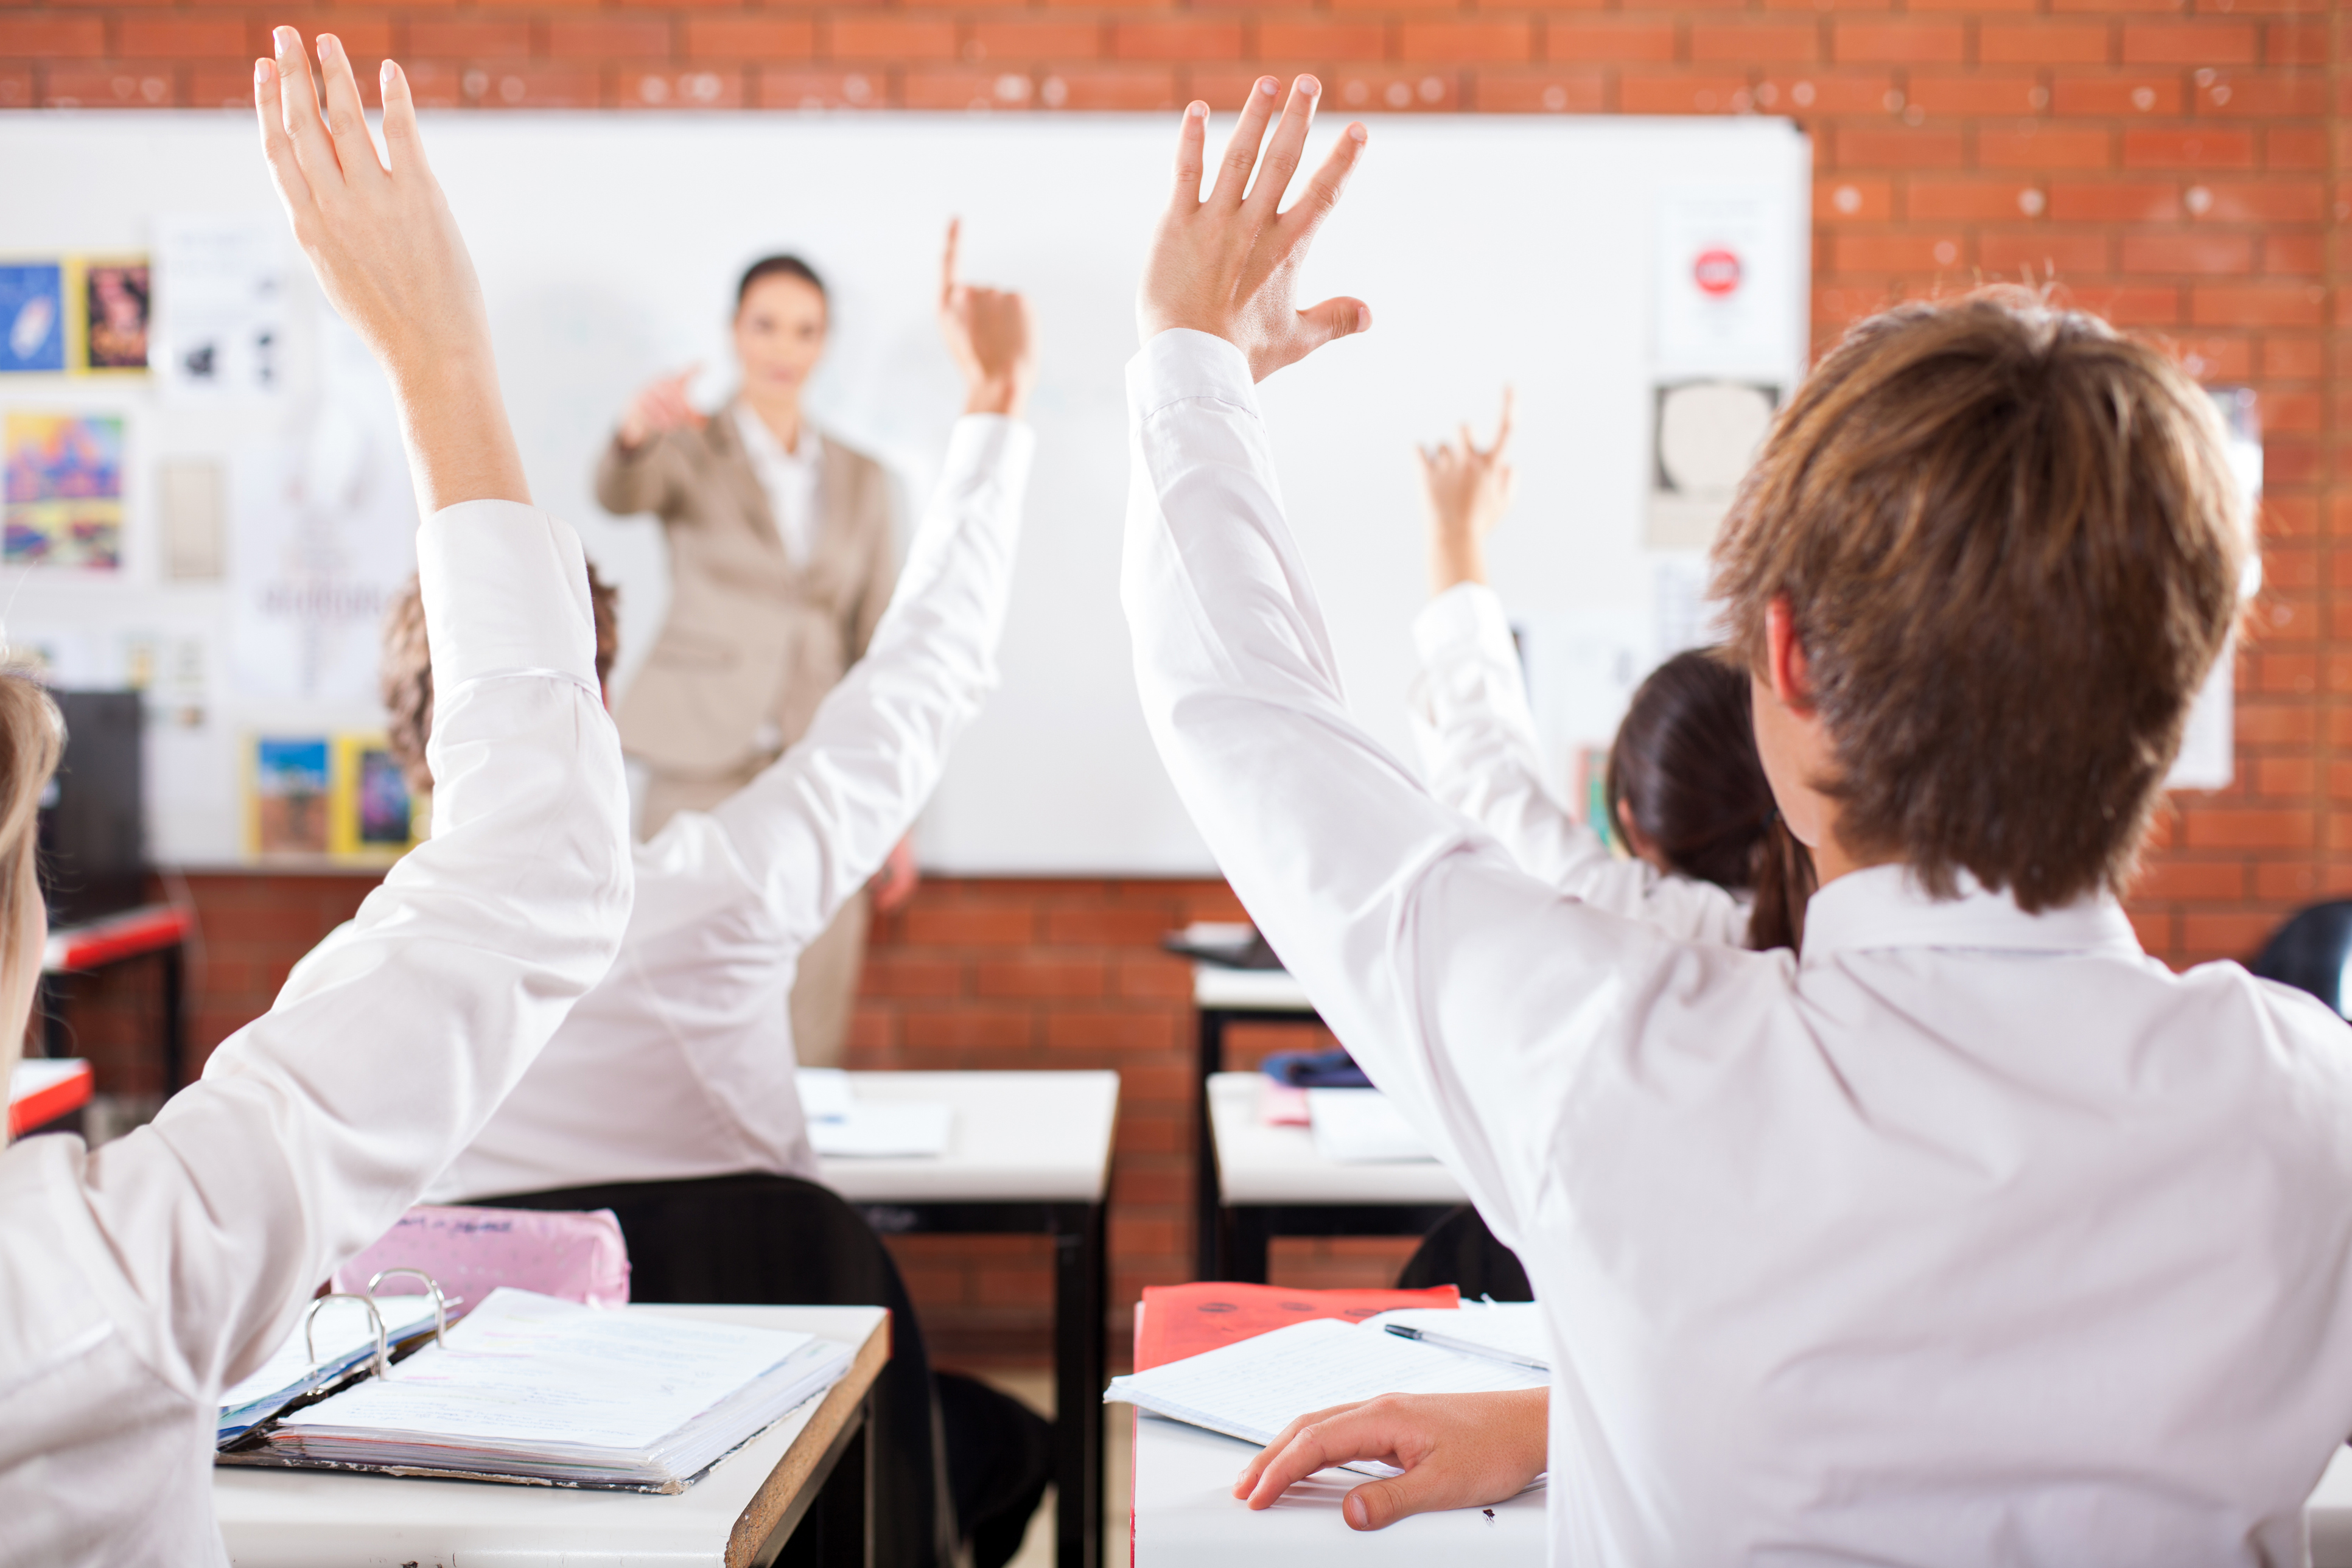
point(752, 637)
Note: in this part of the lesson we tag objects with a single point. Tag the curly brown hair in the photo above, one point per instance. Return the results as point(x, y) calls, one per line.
point(2010, 545)
point(32, 738)
point(404, 673)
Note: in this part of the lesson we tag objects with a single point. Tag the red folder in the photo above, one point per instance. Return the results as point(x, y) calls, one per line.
point(1183, 1320)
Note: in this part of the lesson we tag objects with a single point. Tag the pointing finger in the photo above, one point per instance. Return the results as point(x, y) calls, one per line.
point(1283, 153)
point(1190, 153)
point(1241, 153)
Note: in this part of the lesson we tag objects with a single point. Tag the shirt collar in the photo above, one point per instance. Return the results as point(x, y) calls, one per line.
point(1886, 907)
point(761, 442)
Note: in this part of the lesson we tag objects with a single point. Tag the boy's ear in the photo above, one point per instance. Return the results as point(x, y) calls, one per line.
point(1790, 673)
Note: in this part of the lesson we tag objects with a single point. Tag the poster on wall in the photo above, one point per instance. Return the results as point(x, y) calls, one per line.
point(220, 327)
point(1723, 261)
point(115, 297)
point(32, 317)
point(64, 490)
point(341, 797)
point(286, 795)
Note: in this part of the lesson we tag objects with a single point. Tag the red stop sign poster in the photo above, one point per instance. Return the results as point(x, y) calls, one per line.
point(1717, 272)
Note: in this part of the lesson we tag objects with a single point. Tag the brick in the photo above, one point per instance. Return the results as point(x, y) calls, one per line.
point(2173, 881)
point(1897, 42)
point(967, 1029)
point(1857, 200)
point(2257, 201)
point(800, 88)
point(1826, 93)
point(751, 37)
point(1320, 37)
point(2292, 359)
point(2202, 147)
point(1042, 977)
point(1465, 43)
point(2044, 146)
point(1947, 200)
point(1133, 88)
point(2115, 95)
point(1554, 93)
point(889, 39)
point(2256, 304)
point(2197, 250)
point(2044, 43)
point(2295, 43)
point(1188, 39)
point(50, 35)
point(2200, 43)
point(179, 38)
point(2130, 306)
point(2294, 147)
point(1041, 39)
point(965, 88)
point(2232, 935)
point(976, 925)
point(2040, 253)
point(469, 38)
point(1763, 43)
point(603, 36)
point(1977, 92)
point(1395, 89)
point(1616, 41)
point(2245, 827)
point(1689, 94)
point(114, 85)
point(1070, 1030)
point(2249, 95)
point(1903, 251)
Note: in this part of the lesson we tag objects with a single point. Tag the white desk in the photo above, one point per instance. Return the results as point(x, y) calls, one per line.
point(1028, 1153)
point(739, 1513)
point(1271, 1182)
point(1222, 997)
point(1185, 1513)
point(43, 1088)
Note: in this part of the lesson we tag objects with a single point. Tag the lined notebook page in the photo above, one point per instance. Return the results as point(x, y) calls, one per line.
point(1253, 1389)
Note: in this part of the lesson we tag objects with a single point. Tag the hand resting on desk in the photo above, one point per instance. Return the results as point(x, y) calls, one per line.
point(1457, 1450)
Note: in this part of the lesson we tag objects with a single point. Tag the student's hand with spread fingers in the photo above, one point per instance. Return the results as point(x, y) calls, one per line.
point(387, 252)
point(987, 331)
point(1229, 266)
point(1468, 488)
point(1457, 1450)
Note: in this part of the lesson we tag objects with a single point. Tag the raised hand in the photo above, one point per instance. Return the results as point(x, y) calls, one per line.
point(987, 331)
point(1468, 488)
point(1229, 266)
point(1457, 1450)
point(387, 252)
point(661, 406)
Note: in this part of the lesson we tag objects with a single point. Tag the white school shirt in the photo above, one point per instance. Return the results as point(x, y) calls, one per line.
point(1973, 1237)
point(680, 1063)
point(1480, 755)
point(139, 1278)
point(789, 479)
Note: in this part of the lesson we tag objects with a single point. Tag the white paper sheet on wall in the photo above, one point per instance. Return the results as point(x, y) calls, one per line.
point(220, 307)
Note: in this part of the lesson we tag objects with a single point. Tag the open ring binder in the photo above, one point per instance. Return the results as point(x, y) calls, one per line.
point(310, 1317)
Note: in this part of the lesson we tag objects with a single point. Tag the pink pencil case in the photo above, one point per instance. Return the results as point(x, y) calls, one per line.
point(1281, 1104)
point(471, 1252)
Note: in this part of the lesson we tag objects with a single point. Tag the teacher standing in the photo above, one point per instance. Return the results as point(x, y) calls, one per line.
point(780, 565)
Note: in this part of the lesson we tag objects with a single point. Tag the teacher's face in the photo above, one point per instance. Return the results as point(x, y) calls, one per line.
point(779, 337)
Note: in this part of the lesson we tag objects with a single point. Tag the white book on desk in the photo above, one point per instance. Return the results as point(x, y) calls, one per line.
point(1255, 1388)
point(1361, 1126)
point(531, 1388)
point(842, 1127)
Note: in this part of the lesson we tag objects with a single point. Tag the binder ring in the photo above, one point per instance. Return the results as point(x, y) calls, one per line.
point(309, 1320)
point(440, 1310)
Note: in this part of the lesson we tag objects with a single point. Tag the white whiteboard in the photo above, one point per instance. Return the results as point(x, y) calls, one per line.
point(1491, 249)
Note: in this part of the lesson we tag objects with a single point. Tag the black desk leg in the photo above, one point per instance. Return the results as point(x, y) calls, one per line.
point(1205, 1248)
point(1251, 1231)
point(175, 1021)
point(1080, 1334)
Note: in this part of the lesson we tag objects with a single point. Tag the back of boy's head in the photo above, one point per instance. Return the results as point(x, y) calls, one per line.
point(405, 670)
point(2010, 545)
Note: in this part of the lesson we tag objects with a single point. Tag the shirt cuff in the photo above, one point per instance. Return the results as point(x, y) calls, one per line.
point(992, 444)
point(505, 592)
point(1180, 366)
point(1466, 617)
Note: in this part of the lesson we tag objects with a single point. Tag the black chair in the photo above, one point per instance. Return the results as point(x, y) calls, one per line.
point(1461, 1252)
point(2310, 950)
point(951, 1456)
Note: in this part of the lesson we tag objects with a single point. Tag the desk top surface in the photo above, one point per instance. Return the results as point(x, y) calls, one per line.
point(1215, 985)
point(1016, 1137)
point(307, 1519)
point(1261, 1164)
point(1185, 1514)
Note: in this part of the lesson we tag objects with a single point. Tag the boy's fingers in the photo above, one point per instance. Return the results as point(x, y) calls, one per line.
point(1241, 153)
point(1317, 1442)
point(298, 99)
point(1248, 1480)
point(1332, 318)
point(1322, 193)
point(1282, 154)
point(400, 137)
point(1376, 1505)
point(277, 147)
point(346, 115)
point(1190, 151)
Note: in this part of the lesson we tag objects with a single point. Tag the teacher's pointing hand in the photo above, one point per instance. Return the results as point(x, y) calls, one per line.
point(1229, 266)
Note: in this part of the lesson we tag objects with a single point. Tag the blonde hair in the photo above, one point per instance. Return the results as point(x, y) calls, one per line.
point(32, 736)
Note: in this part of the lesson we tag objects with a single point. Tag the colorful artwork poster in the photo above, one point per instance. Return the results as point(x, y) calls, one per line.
point(373, 815)
point(115, 310)
point(64, 490)
point(290, 797)
point(32, 316)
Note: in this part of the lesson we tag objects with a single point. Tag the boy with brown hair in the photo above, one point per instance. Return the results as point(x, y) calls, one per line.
point(1973, 1235)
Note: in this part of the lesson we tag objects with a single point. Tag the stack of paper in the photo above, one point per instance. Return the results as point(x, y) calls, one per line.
point(1356, 1126)
point(1253, 1389)
point(343, 1335)
point(842, 1126)
point(532, 1386)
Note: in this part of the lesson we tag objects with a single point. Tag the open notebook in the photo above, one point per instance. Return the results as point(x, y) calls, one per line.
point(532, 1389)
point(1256, 1387)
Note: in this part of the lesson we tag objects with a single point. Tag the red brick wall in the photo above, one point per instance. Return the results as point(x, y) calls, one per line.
point(2181, 166)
